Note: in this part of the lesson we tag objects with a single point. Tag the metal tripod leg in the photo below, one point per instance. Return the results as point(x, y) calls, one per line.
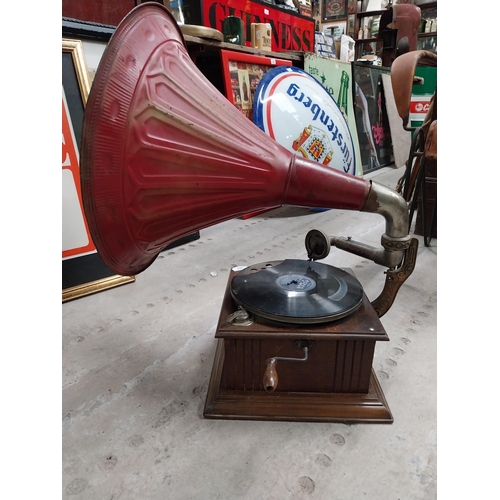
point(414, 153)
point(416, 189)
point(428, 230)
point(421, 186)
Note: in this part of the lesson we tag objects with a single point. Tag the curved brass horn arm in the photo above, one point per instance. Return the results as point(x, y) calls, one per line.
point(392, 206)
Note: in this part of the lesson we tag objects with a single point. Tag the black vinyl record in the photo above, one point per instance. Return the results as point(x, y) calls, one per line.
point(297, 291)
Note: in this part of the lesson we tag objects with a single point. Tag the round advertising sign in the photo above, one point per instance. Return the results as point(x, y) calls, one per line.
point(294, 109)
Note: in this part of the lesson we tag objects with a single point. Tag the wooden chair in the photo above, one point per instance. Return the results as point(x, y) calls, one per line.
point(423, 151)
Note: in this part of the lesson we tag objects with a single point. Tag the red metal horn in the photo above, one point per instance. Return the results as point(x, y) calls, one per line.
point(164, 153)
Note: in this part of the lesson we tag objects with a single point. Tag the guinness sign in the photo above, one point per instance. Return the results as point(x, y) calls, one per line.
point(290, 31)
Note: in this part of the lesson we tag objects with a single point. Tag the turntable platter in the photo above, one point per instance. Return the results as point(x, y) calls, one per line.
point(297, 291)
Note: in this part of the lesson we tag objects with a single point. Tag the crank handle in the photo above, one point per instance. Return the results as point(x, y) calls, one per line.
point(270, 379)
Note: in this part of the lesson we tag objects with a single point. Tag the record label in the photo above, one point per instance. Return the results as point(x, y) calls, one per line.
point(295, 283)
point(297, 291)
point(293, 108)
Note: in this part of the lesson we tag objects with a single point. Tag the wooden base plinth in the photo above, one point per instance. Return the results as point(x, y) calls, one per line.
point(294, 406)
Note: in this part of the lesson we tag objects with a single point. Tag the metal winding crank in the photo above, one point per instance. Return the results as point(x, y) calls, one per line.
point(270, 379)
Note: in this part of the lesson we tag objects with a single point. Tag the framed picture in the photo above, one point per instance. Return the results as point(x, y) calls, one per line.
point(370, 5)
point(336, 29)
point(83, 270)
point(242, 74)
point(333, 9)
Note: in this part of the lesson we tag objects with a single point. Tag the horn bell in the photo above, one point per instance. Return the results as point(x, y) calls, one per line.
point(164, 153)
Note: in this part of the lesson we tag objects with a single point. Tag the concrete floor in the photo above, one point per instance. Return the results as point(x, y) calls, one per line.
point(137, 361)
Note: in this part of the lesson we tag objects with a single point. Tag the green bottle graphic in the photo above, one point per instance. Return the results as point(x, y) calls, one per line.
point(344, 88)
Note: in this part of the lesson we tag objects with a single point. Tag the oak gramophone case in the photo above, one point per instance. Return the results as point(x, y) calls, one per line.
point(335, 383)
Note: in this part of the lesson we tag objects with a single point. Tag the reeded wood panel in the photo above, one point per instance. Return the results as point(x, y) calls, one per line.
point(370, 407)
point(342, 366)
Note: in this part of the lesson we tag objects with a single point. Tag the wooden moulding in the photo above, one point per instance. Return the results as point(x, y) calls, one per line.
point(370, 407)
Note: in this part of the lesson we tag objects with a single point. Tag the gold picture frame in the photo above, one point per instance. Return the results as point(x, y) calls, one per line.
point(75, 48)
point(83, 271)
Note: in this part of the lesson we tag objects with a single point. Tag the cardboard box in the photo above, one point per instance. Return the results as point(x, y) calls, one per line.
point(261, 36)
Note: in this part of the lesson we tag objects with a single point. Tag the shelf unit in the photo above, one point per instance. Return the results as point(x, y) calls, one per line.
point(426, 41)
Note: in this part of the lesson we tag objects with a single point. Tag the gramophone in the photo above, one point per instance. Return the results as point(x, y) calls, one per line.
point(165, 154)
